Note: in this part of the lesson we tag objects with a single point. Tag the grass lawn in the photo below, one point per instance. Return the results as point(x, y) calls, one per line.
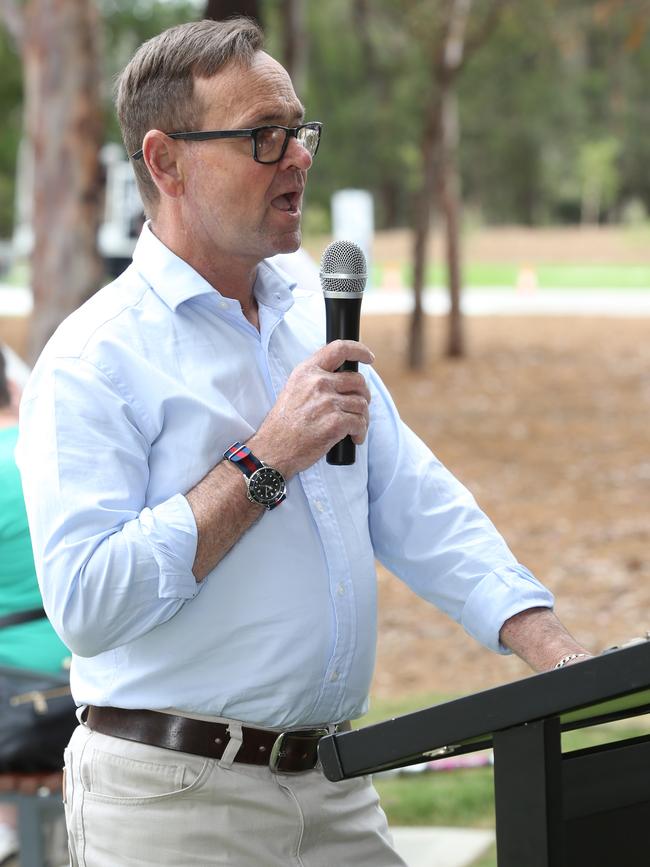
point(487, 860)
point(477, 274)
point(566, 276)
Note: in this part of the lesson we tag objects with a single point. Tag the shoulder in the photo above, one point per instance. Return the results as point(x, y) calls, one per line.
point(106, 326)
point(109, 310)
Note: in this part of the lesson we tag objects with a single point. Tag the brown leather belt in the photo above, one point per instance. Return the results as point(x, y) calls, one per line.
point(286, 752)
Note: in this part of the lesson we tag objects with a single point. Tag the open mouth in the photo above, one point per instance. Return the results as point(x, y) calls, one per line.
point(288, 202)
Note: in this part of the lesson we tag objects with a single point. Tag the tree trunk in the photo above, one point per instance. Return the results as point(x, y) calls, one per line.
point(590, 203)
point(429, 148)
point(219, 10)
point(64, 133)
point(389, 197)
point(296, 44)
point(450, 202)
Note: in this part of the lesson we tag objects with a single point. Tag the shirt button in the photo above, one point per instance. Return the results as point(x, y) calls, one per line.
point(334, 676)
point(319, 505)
point(224, 305)
point(340, 590)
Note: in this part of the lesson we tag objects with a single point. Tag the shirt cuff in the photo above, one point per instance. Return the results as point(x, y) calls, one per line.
point(500, 595)
point(170, 530)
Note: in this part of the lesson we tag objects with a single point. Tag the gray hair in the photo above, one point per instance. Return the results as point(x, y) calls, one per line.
point(156, 88)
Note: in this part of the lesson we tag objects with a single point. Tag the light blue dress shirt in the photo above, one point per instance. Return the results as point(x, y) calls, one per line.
point(132, 402)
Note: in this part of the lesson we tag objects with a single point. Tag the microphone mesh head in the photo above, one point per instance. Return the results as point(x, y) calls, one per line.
point(343, 268)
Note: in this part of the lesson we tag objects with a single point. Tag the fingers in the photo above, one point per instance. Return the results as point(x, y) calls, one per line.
point(355, 417)
point(347, 382)
point(318, 407)
point(332, 356)
point(350, 391)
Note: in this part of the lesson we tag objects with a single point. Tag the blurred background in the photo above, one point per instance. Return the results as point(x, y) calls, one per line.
point(491, 157)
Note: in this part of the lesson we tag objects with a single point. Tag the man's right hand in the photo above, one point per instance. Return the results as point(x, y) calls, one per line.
point(317, 408)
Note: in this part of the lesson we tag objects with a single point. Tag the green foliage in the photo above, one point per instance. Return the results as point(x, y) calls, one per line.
point(369, 132)
point(599, 175)
point(383, 709)
point(542, 101)
point(549, 87)
point(125, 26)
point(11, 109)
point(462, 798)
point(514, 99)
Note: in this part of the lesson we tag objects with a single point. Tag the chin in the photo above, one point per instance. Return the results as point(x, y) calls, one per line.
point(288, 243)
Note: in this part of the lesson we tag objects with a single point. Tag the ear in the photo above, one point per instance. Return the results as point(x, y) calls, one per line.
point(160, 153)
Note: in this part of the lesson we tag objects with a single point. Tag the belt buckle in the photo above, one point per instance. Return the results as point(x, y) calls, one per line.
point(279, 752)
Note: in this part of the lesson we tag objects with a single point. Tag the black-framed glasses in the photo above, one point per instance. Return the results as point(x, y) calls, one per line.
point(269, 142)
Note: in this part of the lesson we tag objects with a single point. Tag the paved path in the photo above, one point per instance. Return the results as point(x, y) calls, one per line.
point(16, 301)
point(541, 302)
point(426, 847)
point(441, 847)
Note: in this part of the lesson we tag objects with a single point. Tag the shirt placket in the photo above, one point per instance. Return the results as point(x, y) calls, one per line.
point(343, 640)
point(341, 593)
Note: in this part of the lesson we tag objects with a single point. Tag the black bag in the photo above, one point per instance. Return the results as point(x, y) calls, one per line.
point(37, 717)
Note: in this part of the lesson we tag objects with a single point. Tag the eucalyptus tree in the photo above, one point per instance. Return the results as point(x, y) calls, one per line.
point(59, 44)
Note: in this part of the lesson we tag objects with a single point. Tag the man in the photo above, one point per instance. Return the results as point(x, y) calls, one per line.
point(208, 608)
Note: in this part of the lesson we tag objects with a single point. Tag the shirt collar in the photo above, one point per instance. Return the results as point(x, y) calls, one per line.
point(175, 281)
point(273, 286)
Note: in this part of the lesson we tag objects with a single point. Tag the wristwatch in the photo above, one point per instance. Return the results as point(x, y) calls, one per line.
point(264, 485)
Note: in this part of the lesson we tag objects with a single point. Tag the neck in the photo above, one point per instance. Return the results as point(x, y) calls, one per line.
point(232, 277)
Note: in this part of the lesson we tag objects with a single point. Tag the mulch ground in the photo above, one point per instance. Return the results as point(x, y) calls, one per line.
point(546, 421)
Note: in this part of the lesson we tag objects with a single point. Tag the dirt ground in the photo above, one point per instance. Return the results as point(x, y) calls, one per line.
point(555, 245)
point(546, 422)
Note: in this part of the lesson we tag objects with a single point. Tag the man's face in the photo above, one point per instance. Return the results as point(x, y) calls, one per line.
point(234, 205)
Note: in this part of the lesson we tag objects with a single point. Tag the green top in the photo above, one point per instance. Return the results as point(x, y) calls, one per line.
point(27, 645)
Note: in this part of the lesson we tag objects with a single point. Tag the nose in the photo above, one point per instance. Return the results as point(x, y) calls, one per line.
point(296, 156)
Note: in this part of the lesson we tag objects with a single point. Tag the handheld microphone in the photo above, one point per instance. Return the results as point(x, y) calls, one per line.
point(343, 278)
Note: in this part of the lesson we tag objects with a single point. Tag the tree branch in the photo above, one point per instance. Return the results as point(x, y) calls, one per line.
point(12, 17)
point(476, 40)
point(455, 42)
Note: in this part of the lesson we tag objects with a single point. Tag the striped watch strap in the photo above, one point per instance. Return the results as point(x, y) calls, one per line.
point(242, 456)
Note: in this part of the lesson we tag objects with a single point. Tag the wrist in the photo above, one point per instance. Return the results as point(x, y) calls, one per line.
point(570, 659)
point(270, 451)
point(265, 484)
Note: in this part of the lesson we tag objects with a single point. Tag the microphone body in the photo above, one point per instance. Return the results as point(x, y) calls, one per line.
point(342, 321)
point(343, 277)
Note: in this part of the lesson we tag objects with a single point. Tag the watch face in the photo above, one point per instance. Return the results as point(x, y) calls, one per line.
point(266, 485)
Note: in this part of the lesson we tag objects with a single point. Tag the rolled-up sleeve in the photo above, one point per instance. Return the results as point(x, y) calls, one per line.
point(428, 530)
point(111, 566)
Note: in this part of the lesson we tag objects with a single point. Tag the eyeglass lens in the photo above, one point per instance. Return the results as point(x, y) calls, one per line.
point(270, 142)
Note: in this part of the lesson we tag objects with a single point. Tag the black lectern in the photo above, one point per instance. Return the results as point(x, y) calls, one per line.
point(585, 808)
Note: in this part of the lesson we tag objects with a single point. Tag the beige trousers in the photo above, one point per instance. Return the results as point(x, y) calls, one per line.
point(133, 805)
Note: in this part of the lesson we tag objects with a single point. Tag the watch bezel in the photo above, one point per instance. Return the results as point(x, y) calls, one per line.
point(255, 479)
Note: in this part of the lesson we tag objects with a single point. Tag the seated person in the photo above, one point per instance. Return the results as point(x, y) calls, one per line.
point(32, 644)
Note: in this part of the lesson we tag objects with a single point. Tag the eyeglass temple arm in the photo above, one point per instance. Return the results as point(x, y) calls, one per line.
point(201, 135)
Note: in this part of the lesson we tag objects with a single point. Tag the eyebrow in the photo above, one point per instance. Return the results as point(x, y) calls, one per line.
point(275, 119)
